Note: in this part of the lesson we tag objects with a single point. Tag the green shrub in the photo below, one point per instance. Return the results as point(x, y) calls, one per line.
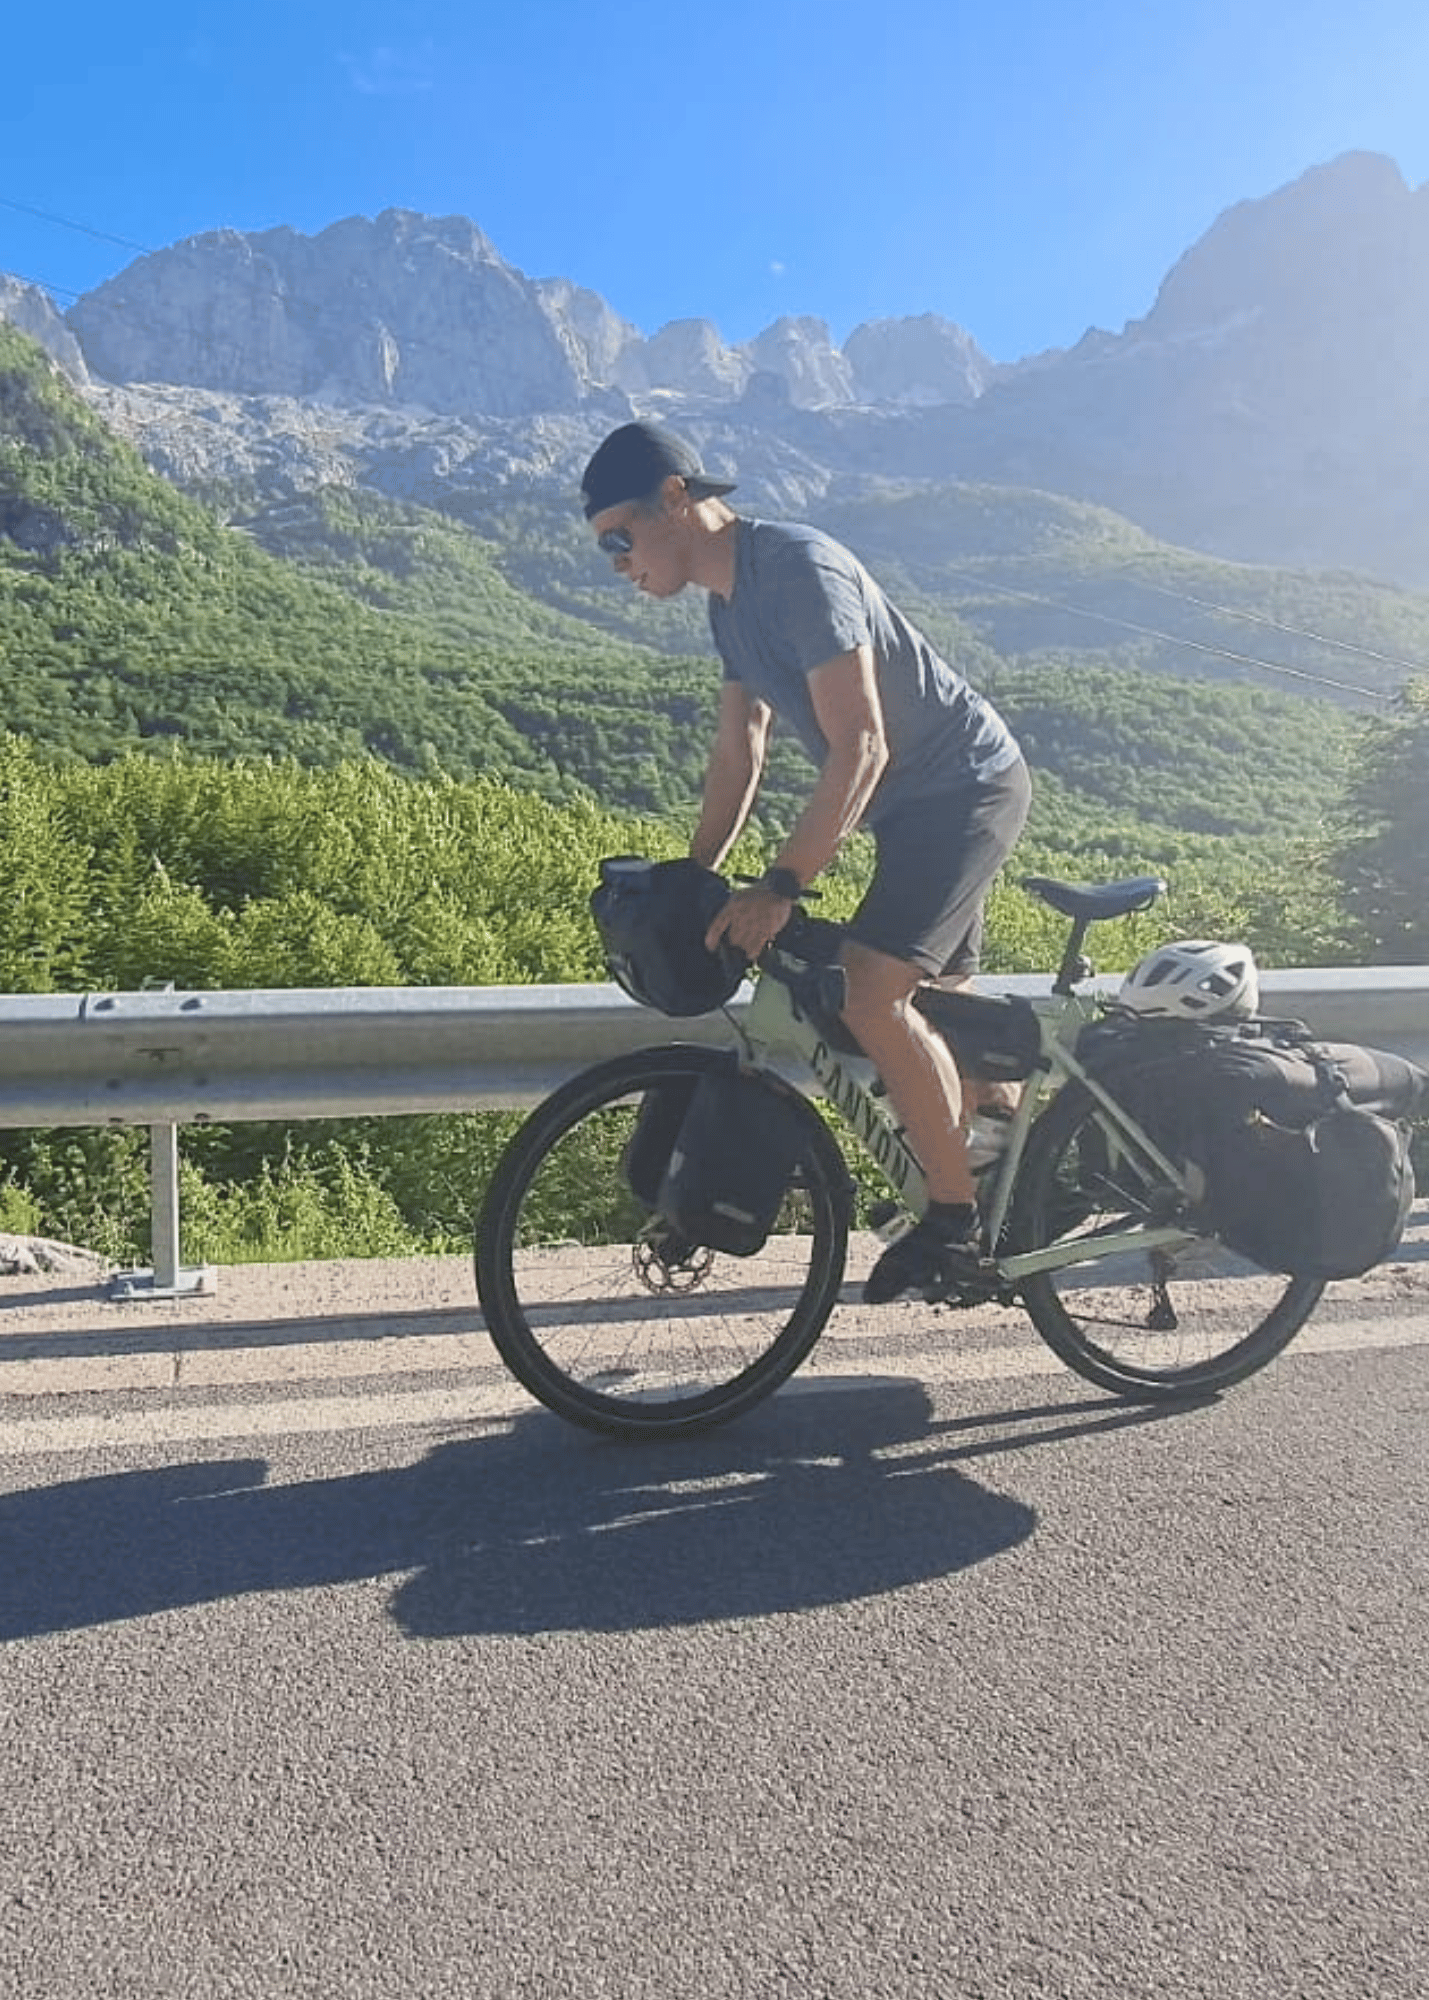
point(312, 1203)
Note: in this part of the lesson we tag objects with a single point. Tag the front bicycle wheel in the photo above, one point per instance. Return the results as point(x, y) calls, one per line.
point(1155, 1324)
point(596, 1305)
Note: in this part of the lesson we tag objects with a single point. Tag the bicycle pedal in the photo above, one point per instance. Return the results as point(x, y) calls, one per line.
point(972, 1286)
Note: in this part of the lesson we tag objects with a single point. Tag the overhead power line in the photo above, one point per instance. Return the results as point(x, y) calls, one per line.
point(1275, 625)
point(1174, 638)
point(68, 222)
point(44, 285)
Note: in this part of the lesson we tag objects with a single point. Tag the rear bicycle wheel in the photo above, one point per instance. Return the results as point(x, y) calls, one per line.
point(1153, 1324)
point(595, 1306)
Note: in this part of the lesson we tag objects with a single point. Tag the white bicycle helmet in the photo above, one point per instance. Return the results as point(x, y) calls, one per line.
point(1193, 980)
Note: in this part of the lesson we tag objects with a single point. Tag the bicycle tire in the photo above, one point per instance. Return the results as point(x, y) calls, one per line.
point(1107, 1319)
point(588, 1317)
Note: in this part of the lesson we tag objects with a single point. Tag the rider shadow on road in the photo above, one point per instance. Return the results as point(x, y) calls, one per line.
point(812, 1500)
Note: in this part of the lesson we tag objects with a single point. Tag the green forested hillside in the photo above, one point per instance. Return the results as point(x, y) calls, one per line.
point(131, 616)
point(1024, 574)
point(128, 615)
point(1128, 745)
point(1034, 573)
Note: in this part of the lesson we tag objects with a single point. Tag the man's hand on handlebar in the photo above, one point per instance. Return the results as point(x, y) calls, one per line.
point(750, 920)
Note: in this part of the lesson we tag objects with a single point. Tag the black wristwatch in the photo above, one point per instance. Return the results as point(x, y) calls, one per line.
point(784, 882)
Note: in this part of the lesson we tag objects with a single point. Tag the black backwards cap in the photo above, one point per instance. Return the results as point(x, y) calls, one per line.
point(637, 459)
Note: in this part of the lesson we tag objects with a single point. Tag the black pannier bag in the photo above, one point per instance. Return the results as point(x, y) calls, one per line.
point(653, 1136)
point(732, 1162)
point(1304, 1159)
point(1327, 1201)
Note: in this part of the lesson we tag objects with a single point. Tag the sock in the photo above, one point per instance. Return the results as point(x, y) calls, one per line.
point(951, 1221)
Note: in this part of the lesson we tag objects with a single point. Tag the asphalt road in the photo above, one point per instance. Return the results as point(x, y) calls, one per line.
point(330, 1666)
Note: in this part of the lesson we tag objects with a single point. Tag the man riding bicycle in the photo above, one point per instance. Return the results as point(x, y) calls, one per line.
point(905, 748)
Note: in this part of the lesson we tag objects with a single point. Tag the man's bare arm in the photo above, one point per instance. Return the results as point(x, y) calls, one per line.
point(736, 764)
point(846, 701)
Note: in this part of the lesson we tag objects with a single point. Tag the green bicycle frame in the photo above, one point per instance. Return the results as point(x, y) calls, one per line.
point(772, 1025)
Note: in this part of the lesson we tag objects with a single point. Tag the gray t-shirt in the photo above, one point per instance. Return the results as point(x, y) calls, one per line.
point(800, 599)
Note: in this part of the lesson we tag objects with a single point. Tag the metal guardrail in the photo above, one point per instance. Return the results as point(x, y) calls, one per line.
point(166, 1059)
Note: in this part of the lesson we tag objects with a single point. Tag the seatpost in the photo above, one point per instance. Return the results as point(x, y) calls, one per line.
point(1075, 964)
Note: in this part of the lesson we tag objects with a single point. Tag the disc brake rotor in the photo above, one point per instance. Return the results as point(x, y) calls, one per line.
point(669, 1264)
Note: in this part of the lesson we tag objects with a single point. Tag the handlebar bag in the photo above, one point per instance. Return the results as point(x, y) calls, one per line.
point(652, 917)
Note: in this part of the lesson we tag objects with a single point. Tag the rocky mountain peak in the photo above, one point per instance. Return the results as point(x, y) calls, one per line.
point(689, 356)
point(413, 309)
point(32, 310)
point(923, 360)
point(406, 309)
point(1335, 236)
point(1272, 405)
point(802, 351)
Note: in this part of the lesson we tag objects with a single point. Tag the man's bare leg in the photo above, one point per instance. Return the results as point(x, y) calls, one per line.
point(923, 1084)
point(915, 1064)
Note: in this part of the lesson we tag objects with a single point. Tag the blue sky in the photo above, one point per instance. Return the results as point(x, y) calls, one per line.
point(1027, 171)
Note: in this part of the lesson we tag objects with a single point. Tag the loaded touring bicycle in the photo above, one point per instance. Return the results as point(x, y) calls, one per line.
point(665, 1237)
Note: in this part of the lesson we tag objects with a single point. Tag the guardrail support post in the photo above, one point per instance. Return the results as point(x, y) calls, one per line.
point(166, 1280)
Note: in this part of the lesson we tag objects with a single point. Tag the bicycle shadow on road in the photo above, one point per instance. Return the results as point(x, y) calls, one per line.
point(812, 1500)
point(537, 1529)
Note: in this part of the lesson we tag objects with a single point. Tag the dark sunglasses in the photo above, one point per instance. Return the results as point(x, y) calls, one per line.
point(615, 542)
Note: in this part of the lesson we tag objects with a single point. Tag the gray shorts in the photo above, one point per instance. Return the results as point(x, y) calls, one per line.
point(935, 864)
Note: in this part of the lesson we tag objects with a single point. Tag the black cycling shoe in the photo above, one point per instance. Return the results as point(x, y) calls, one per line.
point(925, 1260)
